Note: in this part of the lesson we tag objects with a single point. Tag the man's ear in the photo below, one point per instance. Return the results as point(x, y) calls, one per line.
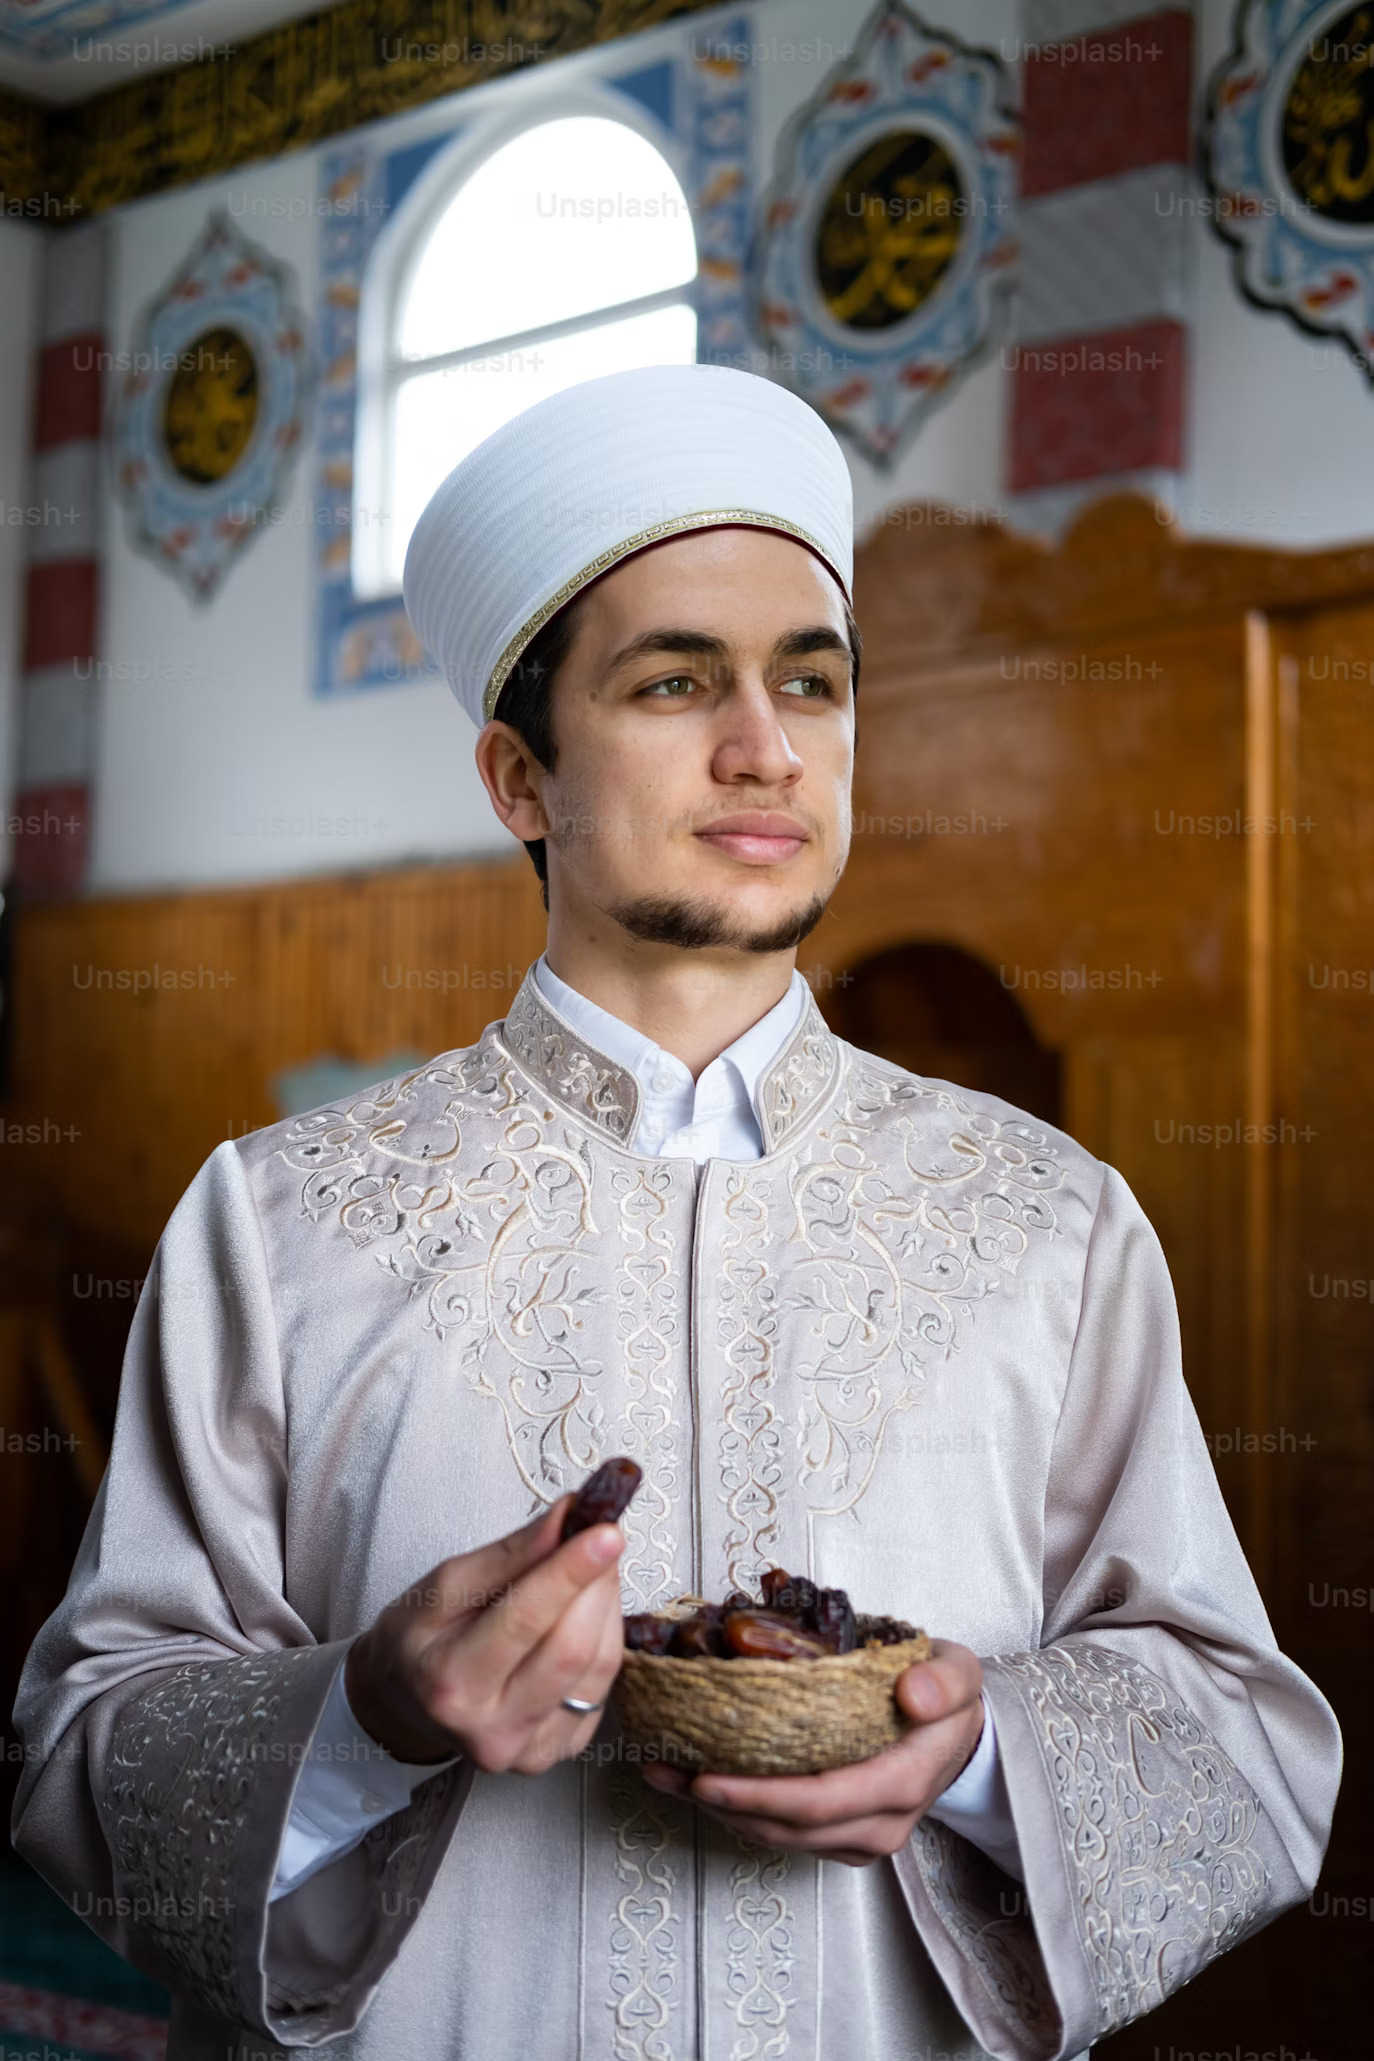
point(509, 771)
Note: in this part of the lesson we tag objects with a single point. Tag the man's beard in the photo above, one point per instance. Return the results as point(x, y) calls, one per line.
point(700, 926)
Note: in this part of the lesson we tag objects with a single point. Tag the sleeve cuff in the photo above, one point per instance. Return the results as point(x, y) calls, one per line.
point(347, 1785)
point(976, 1804)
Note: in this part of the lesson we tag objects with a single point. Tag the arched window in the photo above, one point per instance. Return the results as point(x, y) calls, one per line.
point(565, 253)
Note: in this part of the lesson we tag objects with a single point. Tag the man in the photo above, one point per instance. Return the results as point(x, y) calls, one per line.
point(322, 1725)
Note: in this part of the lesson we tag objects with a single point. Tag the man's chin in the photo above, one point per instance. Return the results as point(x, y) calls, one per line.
point(698, 924)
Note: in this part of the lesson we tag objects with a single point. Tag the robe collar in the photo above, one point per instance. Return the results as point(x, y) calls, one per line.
point(591, 1084)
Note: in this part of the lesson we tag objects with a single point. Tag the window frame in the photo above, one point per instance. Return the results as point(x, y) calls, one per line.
point(381, 370)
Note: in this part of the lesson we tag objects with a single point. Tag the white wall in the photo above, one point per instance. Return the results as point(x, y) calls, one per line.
point(216, 761)
point(21, 258)
point(957, 455)
point(1282, 430)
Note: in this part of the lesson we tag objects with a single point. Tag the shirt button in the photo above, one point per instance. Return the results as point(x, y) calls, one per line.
point(663, 1082)
point(374, 1805)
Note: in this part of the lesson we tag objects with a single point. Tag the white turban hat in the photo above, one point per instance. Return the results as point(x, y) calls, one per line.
point(584, 479)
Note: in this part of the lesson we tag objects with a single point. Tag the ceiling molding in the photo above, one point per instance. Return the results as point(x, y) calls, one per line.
point(291, 87)
point(23, 152)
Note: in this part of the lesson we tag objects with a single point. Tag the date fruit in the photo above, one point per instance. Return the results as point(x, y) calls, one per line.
point(888, 1631)
point(603, 1496)
point(698, 1638)
point(792, 1594)
point(766, 1635)
point(645, 1633)
point(795, 1621)
point(833, 1620)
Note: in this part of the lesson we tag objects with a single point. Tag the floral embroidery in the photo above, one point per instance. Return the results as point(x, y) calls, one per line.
point(606, 1094)
point(761, 1945)
point(969, 1894)
point(802, 1075)
point(646, 1922)
point(651, 1328)
point(185, 1770)
point(753, 1444)
point(1160, 1826)
point(196, 1763)
point(888, 1276)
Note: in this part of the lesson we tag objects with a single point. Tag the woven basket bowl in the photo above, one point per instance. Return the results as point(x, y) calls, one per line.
point(765, 1717)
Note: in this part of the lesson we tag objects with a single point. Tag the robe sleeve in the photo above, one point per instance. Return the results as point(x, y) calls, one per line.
point(1171, 1775)
point(168, 1705)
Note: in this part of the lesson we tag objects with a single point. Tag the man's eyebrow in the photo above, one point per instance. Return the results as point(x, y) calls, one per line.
point(802, 643)
point(652, 643)
point(701, 644)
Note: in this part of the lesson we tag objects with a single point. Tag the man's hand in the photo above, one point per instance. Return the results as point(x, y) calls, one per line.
point(861, 1813)
point(477, 1657)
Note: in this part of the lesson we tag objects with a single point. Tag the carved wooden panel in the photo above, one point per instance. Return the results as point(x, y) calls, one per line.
point(929, 584)
point(1321, 1307)
point(148, 1030)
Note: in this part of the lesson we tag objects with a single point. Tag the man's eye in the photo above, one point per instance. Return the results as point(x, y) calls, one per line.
point(671, 689)
point(814, 686)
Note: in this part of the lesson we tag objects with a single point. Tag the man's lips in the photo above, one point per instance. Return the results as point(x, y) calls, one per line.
point(759, 839)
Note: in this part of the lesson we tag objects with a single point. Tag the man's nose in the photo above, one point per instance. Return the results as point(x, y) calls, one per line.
point(752, 742)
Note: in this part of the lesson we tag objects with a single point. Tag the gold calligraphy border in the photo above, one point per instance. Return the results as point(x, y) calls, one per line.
point(285, 90)
point(23, 153)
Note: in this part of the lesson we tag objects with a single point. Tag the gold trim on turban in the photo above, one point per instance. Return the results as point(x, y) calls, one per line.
point(711, 518)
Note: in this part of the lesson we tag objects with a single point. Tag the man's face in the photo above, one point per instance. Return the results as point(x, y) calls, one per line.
point(704, 721)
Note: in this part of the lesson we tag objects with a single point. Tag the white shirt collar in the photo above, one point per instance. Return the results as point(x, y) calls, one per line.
point(668, 1095)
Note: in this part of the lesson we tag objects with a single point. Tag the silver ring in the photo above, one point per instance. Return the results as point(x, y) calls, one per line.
point(576, 1703)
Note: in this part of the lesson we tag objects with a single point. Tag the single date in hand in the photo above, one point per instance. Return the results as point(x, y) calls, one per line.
point(603, 1496)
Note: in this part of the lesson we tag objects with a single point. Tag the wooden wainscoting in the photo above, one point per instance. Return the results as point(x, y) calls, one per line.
point(149, 1029)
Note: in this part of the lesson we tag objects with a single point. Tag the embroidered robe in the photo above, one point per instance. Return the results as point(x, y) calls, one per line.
point(926, 1348)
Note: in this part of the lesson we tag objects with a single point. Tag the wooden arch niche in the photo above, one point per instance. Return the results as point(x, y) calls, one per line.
point(939, 1011)
point(1132, 777)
